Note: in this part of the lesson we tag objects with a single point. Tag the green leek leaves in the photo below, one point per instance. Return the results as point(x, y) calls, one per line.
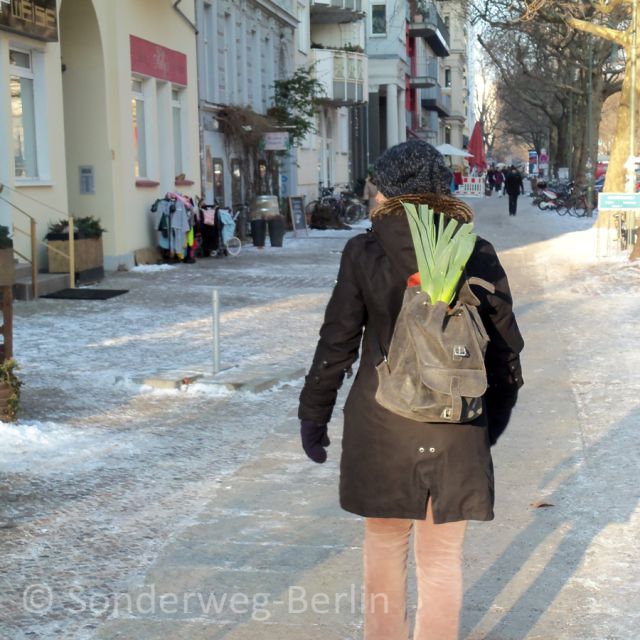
point(442, 254)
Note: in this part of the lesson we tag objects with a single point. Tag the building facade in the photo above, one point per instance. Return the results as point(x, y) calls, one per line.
point(103, 116)
point(458, 80)
point(244, 47)
point(406, 44)
point(388, 73)
point(331, 40)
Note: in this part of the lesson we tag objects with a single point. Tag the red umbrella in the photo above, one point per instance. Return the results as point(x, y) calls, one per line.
point(476, 147)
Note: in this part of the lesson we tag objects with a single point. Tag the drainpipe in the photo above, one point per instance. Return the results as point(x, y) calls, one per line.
point(184, 16)
point(200, 116)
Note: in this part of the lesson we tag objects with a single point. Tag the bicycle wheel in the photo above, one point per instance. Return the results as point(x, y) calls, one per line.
point(234, 246)
point(353, 213)
point(581, 208)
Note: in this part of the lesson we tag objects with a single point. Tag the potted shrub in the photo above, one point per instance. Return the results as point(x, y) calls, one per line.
point(89, 257)
point(7, 266)
point(9, 391)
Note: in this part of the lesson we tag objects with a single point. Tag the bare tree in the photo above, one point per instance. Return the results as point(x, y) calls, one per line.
point(486, 105)
point(543, 65)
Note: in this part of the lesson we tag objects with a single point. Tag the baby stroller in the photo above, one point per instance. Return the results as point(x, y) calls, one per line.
point(229, 243)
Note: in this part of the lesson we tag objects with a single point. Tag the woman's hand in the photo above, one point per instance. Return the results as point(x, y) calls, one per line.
point(314, 440)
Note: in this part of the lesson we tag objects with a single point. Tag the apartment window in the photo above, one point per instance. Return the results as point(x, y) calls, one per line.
point(446, 21)
point(138, 118)
point(447, 77)
point(176, 119)
point(23, 114)
point(379, 19)
point(447, 134)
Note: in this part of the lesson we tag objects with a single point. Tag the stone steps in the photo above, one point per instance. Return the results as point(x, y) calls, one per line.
point(47, 283)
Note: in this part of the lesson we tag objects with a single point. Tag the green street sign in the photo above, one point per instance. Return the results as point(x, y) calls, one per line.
point(619, 201)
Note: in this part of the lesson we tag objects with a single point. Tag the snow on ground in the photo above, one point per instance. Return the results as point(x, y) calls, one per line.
point(100, 471)
point(152, 268)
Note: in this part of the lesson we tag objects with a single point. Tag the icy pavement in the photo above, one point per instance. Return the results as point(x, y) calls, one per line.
point(117, 501)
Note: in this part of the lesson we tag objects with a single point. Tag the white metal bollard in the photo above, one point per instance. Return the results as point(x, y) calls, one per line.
point(216, 332)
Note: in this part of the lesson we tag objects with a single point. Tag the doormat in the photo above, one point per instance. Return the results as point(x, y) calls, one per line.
point(86, 294)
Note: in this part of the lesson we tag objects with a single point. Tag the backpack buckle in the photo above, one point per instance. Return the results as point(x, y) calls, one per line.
point(447, 413)
point(460, 351)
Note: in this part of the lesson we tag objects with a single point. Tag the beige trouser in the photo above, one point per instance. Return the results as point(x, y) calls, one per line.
point(438, 553)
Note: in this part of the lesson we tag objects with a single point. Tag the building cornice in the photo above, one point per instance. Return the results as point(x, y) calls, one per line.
point(277, 12)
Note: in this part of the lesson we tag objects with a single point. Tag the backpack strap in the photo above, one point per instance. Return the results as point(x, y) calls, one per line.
point(480, 283)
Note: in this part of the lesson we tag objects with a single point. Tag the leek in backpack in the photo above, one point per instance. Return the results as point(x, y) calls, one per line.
point(442, 252)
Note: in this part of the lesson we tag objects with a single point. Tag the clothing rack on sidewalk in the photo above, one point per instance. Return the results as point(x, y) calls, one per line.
point(174, 221)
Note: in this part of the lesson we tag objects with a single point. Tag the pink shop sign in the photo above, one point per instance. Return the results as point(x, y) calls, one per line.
point(154, 60)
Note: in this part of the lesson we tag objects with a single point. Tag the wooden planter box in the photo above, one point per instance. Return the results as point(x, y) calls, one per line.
point(5, 393)
point(89, 256)
point(7, 268)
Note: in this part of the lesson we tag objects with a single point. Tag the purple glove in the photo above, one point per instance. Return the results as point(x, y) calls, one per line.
point(314, 440)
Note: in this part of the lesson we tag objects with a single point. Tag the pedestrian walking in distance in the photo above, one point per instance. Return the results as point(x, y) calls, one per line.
point(499, 181)
point(514, 186)
point(398, 473)
point(491, 179)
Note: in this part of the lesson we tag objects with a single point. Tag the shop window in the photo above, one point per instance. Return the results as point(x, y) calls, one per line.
point(178, 138)
point(218, 180)
point(378, 19)
point(263, 177)
point(22, 86)
point(138, 119)
point(236, 182)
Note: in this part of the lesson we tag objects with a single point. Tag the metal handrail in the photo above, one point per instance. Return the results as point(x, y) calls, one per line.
point(33, 236)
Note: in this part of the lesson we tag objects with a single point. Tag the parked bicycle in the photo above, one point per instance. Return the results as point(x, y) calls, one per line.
point(331, 211)
point(564, 198)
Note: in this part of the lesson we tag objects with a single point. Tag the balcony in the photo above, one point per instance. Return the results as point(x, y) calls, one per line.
point(343, 74)
point(428, 24)
point(424, 74)
point(435, 100)
point(335, 11)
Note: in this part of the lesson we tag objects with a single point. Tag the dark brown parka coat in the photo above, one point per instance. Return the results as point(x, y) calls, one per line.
point(391, 465)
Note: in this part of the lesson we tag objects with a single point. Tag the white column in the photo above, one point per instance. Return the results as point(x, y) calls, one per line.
point(392, 115)
point(402, 116)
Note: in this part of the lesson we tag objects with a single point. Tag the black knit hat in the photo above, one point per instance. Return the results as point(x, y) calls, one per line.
point(412, 167)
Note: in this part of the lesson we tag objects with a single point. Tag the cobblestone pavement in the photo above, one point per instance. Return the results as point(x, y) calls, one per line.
point(194, 516)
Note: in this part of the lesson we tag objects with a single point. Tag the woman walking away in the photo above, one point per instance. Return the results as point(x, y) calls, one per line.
point(400, 473)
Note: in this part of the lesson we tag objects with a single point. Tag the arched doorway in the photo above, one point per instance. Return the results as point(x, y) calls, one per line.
point(88, 154)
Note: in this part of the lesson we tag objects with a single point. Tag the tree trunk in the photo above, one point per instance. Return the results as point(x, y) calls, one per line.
point(614, 182)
